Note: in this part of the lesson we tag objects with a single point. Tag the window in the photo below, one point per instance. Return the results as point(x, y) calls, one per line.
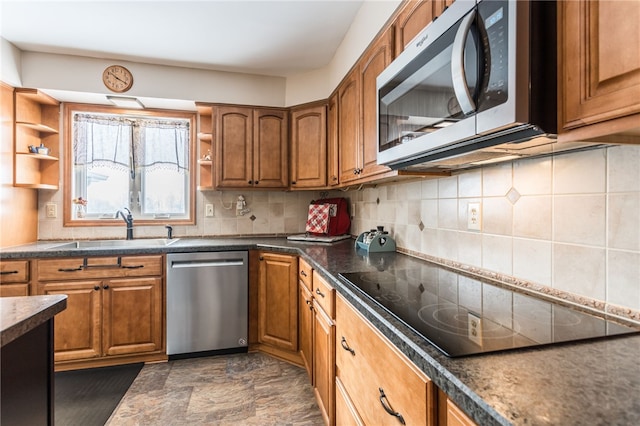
point(133, 159)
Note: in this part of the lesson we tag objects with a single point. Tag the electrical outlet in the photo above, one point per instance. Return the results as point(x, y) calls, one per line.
point(208, 210)
point(474, 217)
point(475, 329)
point(51, 210)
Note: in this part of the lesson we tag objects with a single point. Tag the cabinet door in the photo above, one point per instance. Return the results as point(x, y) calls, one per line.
point(415, 16)
point(379, 55)
point(346, 413)
point(234, 155)
point(309, 147)
point(324, 363)
point(349, 128)
point(278, 301)
point(77, 329)
point(270, 154)
point(600, 59)
point(305, 328)
point(14, 278)
point(333, 162)
point(132, 315)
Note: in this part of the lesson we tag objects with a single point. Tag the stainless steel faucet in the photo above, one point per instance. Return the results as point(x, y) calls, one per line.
point(128, 219)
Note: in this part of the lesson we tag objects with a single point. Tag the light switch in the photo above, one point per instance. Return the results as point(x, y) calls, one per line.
point(51, 210)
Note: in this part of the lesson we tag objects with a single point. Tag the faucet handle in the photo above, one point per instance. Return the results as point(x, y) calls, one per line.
point(169, 231)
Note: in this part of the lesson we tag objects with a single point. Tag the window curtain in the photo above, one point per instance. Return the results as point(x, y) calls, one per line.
point(131, 143)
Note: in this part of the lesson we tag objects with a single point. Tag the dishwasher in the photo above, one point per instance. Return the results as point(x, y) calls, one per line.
point(207, 303)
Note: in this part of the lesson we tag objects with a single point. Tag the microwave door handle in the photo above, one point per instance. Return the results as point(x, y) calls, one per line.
point(458, 74)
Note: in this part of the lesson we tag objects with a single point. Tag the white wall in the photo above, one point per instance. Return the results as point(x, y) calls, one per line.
point(10, 60)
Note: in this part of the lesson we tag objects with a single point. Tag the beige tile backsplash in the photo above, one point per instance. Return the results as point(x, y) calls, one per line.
point(570, 222)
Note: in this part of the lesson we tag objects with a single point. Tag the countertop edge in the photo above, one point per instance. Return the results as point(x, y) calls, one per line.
point(35, 310)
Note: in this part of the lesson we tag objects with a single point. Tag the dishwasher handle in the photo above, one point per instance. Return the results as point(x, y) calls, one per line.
point(206, 263)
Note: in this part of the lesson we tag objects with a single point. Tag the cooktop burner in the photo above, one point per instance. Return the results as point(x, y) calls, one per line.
point(465, 316)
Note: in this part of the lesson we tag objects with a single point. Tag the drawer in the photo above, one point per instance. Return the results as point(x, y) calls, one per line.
point(346, 413)
point(73, 268)
point(14, 271)
point(324, 294)
point(379, 380)
point(305, 272)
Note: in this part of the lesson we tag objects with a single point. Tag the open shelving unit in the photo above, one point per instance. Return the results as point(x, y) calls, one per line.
point(37, 121)
point(205, 146)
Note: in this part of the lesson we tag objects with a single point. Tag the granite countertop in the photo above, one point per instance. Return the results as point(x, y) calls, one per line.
point(594, 382)
point(19, 315)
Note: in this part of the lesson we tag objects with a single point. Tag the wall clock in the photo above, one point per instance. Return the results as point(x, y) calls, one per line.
point(117, 78)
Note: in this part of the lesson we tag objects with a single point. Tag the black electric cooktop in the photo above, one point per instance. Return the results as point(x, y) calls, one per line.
point(463, 316)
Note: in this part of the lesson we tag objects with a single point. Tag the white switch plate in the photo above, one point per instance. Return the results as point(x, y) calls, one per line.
point(474, 217)
point(208, 210)
point(51, 210)
point(353, 210)
point(475, 329)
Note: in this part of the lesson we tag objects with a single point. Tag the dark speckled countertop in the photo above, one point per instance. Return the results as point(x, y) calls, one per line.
point(19, 315)
point(595, 382)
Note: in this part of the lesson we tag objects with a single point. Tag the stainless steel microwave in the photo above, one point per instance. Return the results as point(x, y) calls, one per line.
point(477, 84)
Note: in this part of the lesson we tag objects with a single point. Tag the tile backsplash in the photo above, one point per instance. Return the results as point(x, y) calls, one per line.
point(570, 222)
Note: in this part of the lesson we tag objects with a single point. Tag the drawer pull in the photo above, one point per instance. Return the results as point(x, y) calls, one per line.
point(318, 292)
point(303, 273)
point(345, 346)
point(96, 287)
point(387, 407)
point(8, 272)
point(79, 268)
point(132, 266)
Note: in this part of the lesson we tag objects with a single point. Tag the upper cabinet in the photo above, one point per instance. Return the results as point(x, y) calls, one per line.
point(333, 155)
point(250, 147)
point(205, 147)
point(413, 18)
point(375, 60)
point(308, 156)
point(599, 73)
point(37, 141)
point(350, 164)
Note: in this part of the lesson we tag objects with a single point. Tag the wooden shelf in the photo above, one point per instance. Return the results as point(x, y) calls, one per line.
point(205, 137)
point(35, 186)
point(38, 156)
point(37, 96)
point(42, 128)
point(205, 162)
point(206, 188)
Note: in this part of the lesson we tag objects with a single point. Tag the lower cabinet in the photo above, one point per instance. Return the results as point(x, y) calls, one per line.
point(449, 414)
point(14, 278)
point(379, 382)
point(278, 305)
point(114, 318)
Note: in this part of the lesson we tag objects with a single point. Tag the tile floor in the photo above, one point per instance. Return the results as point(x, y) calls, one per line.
point(240, 389)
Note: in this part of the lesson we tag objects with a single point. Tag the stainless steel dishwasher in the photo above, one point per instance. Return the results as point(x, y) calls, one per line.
point(207, 303)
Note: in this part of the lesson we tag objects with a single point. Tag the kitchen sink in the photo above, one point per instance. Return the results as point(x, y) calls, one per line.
point(143, 242)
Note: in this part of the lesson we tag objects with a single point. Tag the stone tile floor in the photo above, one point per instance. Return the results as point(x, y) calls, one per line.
point(240, 389)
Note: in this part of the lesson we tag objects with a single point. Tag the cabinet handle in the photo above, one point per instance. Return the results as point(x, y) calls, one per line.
point(79, 268)
point(8, 272)
point(96, 288)
point(387, 407)
point(303, 273)
point(345, 346)
point(335, 178)
point(261, 258)
point(318, 292)
point(132, 266)
point(257, 182)
point(106, 287)
point(250, 182)
point(293, 182)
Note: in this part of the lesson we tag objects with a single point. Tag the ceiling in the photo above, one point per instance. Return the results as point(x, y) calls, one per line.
point(277, 38)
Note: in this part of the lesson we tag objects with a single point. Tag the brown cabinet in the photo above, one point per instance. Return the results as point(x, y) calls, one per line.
point(308, 147)
point(115, 308)
point(333, 159)
point(379, 396)
point(37, 118)
point(375, 60)
point(413, 18)
point(349, 128)
point(599, 49)
point(305, 315)
point(14, 278)
point(205, 147)
point(250, 147)
point(278, 301)
point(324, 332)
point(449, 414)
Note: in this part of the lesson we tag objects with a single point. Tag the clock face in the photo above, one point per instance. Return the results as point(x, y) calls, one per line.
point(117, 78)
